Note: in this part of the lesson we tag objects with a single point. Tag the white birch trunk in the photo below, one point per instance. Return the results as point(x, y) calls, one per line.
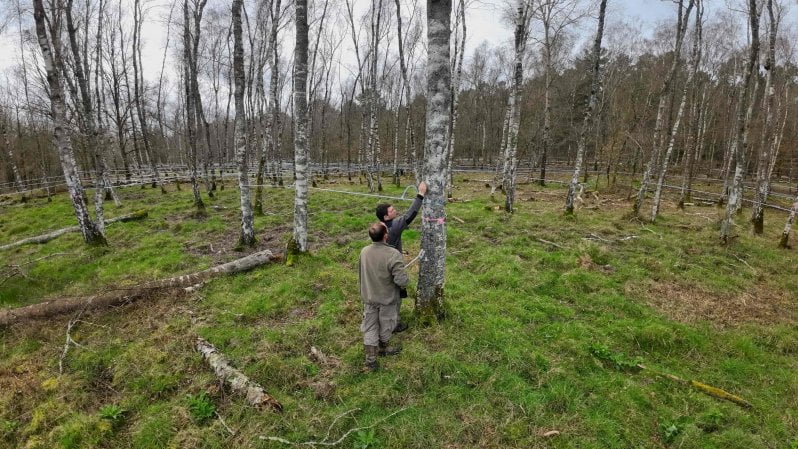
point(53, 65)
point(514, 103)
point(430, 300)
point(785, 235)
point(11, 161)
point(695, 61)
point(742, 125)
point(300, 238)
point(591, 105)
point(665, 93)
point(247, 237)
point(765, 154)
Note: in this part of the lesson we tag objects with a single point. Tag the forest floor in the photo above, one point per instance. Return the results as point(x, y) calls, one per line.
point(547, 318)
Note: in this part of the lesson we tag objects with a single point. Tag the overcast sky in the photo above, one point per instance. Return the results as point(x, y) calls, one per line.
point(484, 20)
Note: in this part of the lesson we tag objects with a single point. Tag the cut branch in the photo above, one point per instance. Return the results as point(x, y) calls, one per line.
point(237, 380)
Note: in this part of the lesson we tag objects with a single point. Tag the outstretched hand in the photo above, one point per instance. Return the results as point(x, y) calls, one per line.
point(422, 188)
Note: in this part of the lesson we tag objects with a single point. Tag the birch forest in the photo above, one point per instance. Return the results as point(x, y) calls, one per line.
point(603, 255)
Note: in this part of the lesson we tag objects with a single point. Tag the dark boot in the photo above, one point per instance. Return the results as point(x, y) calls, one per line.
point(389, 350)
point(400, 327)
point(371, 363)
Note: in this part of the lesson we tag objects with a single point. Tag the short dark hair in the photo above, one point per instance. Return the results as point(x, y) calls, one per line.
point(382, 211)
point(377, 231)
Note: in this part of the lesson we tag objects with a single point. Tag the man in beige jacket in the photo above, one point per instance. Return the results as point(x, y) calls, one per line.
point(382, 275)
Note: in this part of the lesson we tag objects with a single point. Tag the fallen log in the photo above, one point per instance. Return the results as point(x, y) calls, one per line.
point(237, 380)
point(126, 295)
point(44, 238)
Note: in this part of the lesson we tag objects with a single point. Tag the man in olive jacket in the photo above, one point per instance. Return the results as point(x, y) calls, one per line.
point(382, 275)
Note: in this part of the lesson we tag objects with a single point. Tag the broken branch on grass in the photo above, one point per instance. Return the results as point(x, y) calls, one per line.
point(556, 245)
point(121, 296)
point(746, 263)
point(44, 238)
point(237, 380)
point(68, 342)
point(324, 442)
point(12, 270)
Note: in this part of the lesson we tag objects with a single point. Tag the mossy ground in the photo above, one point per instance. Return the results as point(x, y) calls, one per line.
point(528, 298)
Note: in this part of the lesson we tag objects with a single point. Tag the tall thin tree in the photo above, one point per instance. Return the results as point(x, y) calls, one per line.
point(591, 105)
point(430, 300)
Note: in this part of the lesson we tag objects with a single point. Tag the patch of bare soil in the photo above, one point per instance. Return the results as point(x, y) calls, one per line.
point(762, 304)
point(221, 247)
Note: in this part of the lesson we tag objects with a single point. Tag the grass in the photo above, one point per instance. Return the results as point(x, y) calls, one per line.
point(515, 358)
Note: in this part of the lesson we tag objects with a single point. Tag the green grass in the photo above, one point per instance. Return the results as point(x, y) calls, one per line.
point(516, 356)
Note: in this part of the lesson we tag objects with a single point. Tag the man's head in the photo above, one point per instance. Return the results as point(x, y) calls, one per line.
point(378, 232)
point(385, 212)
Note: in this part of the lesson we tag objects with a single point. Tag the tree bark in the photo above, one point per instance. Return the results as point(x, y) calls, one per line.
point(591, 105)
point(247, 237)
point(53, 64)
point(766, 156)
point(430, 301)
point(742, 125)
point(695, 62)
point(514, 106)
point(664, 97)
point(300, 237)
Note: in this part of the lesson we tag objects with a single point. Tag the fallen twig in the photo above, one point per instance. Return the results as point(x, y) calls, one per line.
point(44, 238)
point(221, 420)
point(12, 270)
point(68, 342)
point(324, 442)
point(237, 380)
point(556, 245)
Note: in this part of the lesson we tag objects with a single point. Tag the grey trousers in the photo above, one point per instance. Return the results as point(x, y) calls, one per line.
point(379, 322)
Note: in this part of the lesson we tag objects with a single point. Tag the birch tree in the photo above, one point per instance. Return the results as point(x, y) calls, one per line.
point(555, 16)
point(299, 242)
point(430, 300)
point(247, 237)
point(695, 61)
point(48, 32)
point(682, 16)
point(189, 78)
point(766, 155)
point(742, 124)
point(514, 104)
point(591, 105)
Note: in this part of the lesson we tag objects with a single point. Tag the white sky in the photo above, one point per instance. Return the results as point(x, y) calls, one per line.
point(484, 20)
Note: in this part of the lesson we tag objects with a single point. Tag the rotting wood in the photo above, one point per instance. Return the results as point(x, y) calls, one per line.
point(44, 238)
point(126, 295)
point(237, 380)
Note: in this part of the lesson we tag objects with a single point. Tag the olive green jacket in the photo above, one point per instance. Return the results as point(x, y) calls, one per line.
point(382, 274)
